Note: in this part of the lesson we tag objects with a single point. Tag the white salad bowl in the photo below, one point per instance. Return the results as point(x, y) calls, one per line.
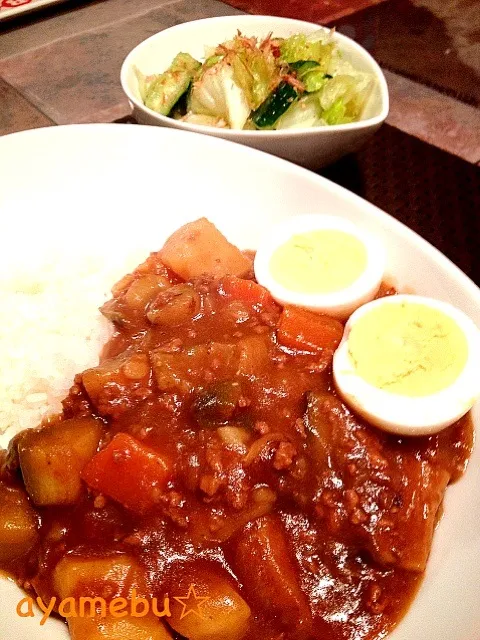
point(314, 147)
point(121, 190)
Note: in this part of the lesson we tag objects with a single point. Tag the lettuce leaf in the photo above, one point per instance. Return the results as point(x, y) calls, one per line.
point(254, 66)
point(209, 121)
point(352, 91)
point(339, 101)
point(311, 74)
point(338, 87)
point(143, 82)
point(217, 94)
point(317, 47)
point(305, 112)
point(336, 113)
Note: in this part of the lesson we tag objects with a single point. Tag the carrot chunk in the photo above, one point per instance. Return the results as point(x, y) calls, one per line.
point(263, 562)
point(247, 291)
point(305, 330)
point(129, 472)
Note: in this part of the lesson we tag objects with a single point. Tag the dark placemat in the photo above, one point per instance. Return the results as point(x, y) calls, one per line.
point(434, 193)
point(432, 41)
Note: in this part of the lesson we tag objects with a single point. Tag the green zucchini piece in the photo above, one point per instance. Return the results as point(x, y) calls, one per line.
point(274, 106)
point(168, 87)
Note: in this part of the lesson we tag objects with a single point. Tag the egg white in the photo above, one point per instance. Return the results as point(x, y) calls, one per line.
point(338, 304)
point(400, 414)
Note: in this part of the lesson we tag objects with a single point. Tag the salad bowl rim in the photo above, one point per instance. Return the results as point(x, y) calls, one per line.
point(343, 40)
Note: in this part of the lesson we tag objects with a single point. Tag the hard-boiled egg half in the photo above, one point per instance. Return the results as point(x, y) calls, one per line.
point(321, 262)
point(409, 365)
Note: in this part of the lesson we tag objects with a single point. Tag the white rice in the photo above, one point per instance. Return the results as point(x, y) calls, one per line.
point(50, 330)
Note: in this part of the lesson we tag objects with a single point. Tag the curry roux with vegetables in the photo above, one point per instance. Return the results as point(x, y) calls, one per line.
point(210, 448)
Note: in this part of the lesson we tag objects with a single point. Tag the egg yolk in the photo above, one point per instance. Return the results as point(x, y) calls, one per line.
point(322, 261)
point(408, 349)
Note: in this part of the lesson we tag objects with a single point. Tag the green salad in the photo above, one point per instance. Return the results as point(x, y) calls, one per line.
point(275, 83)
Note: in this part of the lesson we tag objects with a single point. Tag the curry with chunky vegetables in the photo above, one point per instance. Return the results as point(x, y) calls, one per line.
point(209, 448)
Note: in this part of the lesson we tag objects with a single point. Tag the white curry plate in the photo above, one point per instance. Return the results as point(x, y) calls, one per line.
point(128, 187)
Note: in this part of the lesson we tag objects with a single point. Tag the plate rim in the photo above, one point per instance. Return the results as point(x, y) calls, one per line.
point(146, 130)
point(461, 281)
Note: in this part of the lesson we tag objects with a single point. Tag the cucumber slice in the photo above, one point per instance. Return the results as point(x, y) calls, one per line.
point(167, 88)
point(274, 106)
point(311, 74)
point(302, 66)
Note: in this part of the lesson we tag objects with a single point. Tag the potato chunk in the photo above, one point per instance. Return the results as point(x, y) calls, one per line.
point(51, 459)
point(145, 289)
point(182, 370)
point(199, 248)
point(253, 355)
point(222, 612)
point(174, 306)
point(118, 383)
point(18, 523)
point(109, 577)
point(112, 628)
point(115, 575)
